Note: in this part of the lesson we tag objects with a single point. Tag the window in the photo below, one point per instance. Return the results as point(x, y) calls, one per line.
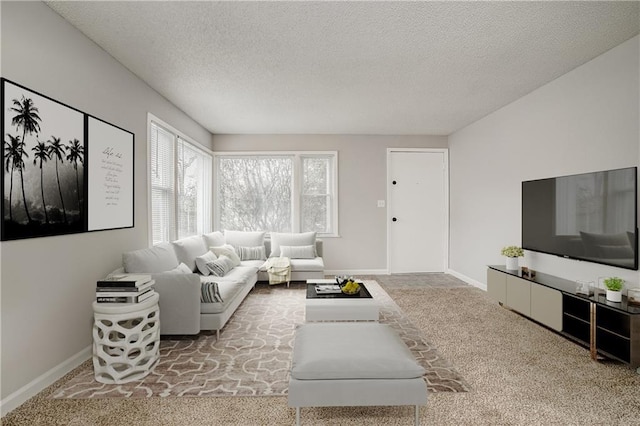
point(279, 192)
point(180, 178)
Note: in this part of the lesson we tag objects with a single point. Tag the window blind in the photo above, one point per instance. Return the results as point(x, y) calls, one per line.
point(181, 181)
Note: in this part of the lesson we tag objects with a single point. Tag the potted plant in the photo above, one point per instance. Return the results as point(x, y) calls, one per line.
point(614, 288)
point(512, 254)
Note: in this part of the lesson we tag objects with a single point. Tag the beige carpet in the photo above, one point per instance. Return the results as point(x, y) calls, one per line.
point(520, 374)
point(253, 355)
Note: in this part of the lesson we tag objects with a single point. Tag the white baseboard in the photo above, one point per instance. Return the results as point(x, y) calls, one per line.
point(356, 272)
point(468, 280)
point(38, 384)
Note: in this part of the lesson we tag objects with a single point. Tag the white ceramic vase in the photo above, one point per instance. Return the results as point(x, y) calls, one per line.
point(512, 263)
point(614, 296)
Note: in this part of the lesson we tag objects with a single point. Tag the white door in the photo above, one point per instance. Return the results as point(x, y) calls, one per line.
point(417, 211)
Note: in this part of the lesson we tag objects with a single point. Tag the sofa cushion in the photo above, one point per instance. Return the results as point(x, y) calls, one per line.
point(316, 264)
point(202, 261)
point(244, 238)
point(258, 264)
point(290, 239)
point(240, 273)
point(187, 249)
point(252, 253)
point(298, 252)
point(351, 351)
point(302, 265)
point(227, 250)
point(180, 269)
point(214, 239)
point(159, 258)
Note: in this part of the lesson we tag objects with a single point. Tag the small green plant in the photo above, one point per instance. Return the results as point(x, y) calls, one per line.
point(512, 251)
point(614, 283)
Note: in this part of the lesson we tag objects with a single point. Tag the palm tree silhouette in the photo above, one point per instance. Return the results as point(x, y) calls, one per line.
point(27, 117)
point(13, 156)
point(76, 153)
point(56, 149)
point(42, 154)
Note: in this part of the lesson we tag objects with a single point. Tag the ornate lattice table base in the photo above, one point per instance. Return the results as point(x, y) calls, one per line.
point(126, 340)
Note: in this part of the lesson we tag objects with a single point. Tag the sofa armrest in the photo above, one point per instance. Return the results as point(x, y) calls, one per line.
point(179, 302)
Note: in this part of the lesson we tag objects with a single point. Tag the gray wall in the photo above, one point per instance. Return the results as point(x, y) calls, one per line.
point(362, 165)
point(586, 120)
point(48, 284)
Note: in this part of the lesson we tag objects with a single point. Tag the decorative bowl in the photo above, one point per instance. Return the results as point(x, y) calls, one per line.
point(346, 291)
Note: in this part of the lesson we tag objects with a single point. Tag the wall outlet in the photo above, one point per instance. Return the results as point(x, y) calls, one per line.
point(380, 203)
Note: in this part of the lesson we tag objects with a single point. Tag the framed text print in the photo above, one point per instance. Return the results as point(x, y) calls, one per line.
point(110, 178)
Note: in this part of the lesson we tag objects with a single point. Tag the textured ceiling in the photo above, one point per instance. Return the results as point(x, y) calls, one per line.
point(349, 67)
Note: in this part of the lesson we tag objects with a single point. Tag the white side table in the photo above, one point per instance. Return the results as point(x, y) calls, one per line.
point(126, 340)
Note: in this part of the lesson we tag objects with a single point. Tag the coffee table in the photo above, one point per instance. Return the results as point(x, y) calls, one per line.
point(340, 307)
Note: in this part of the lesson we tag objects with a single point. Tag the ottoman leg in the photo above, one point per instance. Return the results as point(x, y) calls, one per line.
point(417, 420)
point(297, 416)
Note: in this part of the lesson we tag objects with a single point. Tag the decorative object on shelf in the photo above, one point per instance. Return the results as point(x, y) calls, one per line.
point(584, 287)
point(614, 288)
point(633, 296)
point(512, 254)
point(527, 273)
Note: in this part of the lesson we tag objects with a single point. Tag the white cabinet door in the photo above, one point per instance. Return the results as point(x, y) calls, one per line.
point(519, 295)
point(497, 285)
point(546, 306)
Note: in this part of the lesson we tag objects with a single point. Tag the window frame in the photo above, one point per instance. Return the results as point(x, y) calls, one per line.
point(178, 135)
point(296, 199)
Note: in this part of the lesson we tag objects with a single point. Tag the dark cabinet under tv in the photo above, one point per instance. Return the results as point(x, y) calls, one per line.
point(607, 328)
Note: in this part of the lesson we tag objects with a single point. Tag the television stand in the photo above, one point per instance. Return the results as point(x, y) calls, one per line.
point(608, 329)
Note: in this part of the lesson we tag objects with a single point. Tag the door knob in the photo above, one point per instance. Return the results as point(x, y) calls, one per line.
point(394, 182)
point(395, 219)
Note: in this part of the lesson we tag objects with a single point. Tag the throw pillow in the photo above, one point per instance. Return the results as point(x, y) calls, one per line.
point(244, 238)
point(180, 269)
point(227, 250)
point(210, 293)
point(291, 239)
point(159, 258)
point(221, 266)
point(188, 248)
point(214, 239)
point(201, 262)
point(298, 252)
point(252, 253)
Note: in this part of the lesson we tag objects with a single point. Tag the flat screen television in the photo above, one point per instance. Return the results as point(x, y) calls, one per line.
point(589, 216)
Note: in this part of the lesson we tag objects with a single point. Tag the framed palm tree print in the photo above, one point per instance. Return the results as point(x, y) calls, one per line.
point(45, 169)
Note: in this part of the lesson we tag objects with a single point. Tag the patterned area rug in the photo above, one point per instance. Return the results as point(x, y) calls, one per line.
point(252, 357)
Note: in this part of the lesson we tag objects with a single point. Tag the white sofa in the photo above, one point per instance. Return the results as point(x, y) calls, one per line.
point(176, 268)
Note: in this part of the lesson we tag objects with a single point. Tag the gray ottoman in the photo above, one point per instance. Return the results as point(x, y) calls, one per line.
point(353, 364)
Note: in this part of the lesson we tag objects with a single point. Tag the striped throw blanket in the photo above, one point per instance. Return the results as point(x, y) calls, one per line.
point(210, 293)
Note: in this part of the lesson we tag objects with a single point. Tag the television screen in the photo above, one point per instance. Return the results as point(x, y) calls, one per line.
point(590, 216)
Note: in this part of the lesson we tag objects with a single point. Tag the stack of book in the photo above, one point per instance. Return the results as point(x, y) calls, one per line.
point(124, 289)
